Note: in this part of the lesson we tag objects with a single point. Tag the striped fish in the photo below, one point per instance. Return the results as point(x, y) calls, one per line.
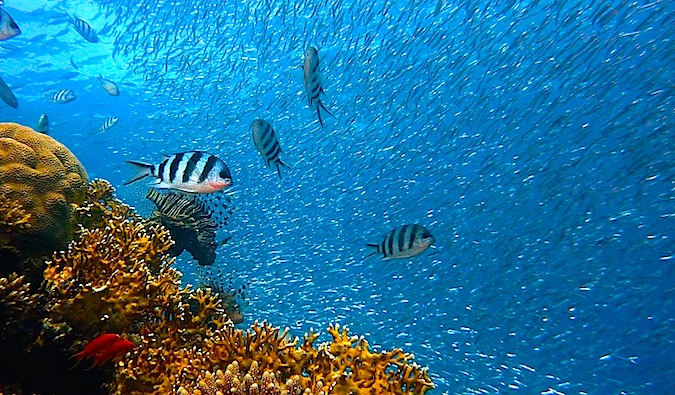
point(43, 124)
point(110, 122)
point(403, 242)
point(312, 80)
point(189, 223)
point(8, 28)
point(266, 143)
point(7, 95)
point(109, 86)
point(63, 96)
point(192, 171)
point(84, 29)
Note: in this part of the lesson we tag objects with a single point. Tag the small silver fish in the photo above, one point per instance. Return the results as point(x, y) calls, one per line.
point(403, 242)
point(84, 29)
point(8, 28)
point(43, 124)
point(266, 143)
point(7, 95)
point(192, 171)
point(312, 80)
point(109, 123)
point(109, 86)
point(63, 96)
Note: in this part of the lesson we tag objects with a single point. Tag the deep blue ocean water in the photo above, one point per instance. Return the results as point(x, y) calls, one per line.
point(533, 139)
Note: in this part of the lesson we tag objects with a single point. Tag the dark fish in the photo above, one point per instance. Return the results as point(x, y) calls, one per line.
point(403, 242)
point(110, 122)
point(43, 124)
point(266, 143)
point(8, 28)
point(189, 223)
point(192, 171)
point(312, 80)
point(7, 96)
point(63, 96)
point(84, 29)
point(109, 86)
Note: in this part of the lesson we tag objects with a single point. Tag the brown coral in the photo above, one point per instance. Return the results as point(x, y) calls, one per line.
point(47, 180)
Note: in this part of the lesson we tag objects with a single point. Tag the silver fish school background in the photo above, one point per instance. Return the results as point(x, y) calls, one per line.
point(533, 139)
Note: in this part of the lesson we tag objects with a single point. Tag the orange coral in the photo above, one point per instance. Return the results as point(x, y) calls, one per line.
point(47, 180)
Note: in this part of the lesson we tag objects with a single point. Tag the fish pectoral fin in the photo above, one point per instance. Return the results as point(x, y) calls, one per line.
point(160, 185)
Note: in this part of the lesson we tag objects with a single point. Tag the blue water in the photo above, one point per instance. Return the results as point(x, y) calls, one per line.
point(534, 140)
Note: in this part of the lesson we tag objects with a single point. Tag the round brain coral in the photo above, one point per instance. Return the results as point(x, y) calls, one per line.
point(47, 180)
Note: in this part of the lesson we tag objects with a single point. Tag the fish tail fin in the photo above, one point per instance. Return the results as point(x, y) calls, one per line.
point(283, 164)
point(279, 170)
point(144, 170)
point(374, 246)
point(321, 105)
point(318, 112)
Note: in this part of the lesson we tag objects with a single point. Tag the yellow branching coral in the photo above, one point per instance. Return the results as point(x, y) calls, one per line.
point(343, 366)
point(47, 180)
point(253, 381)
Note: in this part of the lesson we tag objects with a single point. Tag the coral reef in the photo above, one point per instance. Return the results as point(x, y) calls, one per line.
point(116, 277)
point(47, 180)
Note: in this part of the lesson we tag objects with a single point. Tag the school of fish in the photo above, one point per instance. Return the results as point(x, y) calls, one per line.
point(505, 123)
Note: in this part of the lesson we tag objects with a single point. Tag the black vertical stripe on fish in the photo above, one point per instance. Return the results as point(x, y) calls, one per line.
point(192, 165)
point(273, 153)
point(413, 234)
point(390, 243)
point(160, 171)
point(401, 238)
point(210, 163)
point(173, 169)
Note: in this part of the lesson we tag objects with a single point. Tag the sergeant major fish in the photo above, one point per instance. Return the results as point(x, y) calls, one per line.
point(312, 80)
point(109, 123)
point(63, 96)
point(403, 242)
point(84, 29)
point(43, 124)
point(8, 28)
point(266, 143)
point(192, 171)
point(109, 86)
point(7, 95)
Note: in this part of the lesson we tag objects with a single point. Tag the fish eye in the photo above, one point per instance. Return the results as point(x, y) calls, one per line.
point(224, 173)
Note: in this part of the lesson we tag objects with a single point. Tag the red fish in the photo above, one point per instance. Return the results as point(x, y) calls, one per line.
point(104, 348)
point(119, 348)
point(97, 345)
